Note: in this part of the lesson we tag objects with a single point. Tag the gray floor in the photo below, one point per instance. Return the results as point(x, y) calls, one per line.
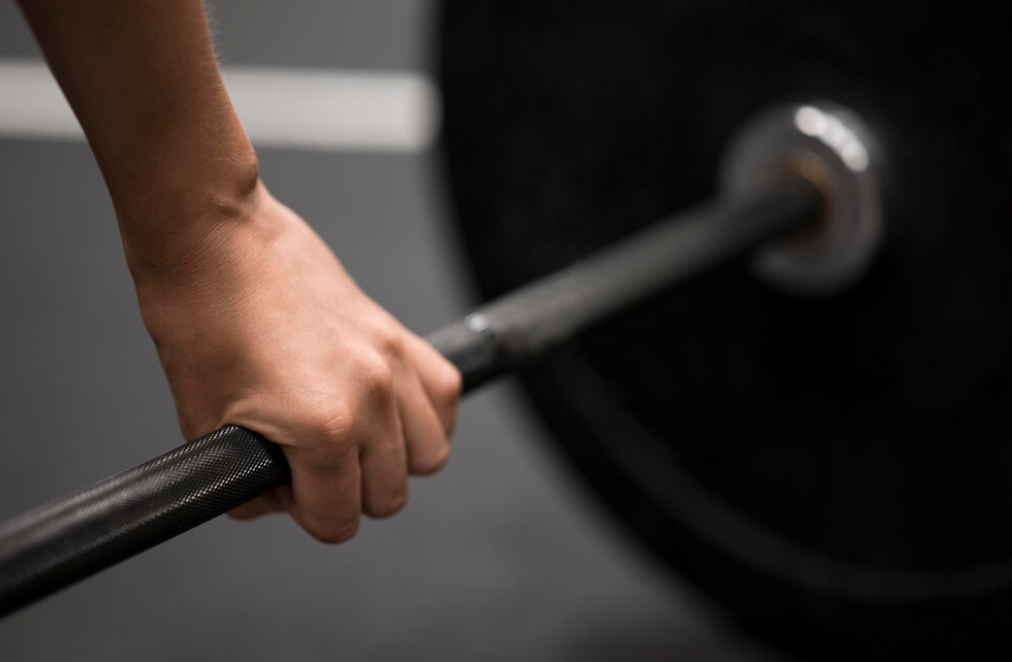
point(501, 557)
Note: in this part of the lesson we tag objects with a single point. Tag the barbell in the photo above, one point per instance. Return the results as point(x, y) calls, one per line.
point(811, 427)
point(82, 533)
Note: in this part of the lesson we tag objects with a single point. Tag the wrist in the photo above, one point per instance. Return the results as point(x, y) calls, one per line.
point(171, 222)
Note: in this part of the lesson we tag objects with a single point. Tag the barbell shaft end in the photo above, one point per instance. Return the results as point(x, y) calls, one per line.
point(520, 327)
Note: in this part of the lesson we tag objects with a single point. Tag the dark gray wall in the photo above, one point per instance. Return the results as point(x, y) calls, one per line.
point(501, 557)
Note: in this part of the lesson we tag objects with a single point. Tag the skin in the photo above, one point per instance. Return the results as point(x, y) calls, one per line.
point(255, 320)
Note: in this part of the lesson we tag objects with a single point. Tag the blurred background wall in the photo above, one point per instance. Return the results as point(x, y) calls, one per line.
point(501, 557)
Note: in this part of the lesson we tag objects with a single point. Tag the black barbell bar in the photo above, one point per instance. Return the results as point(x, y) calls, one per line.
point(83, 533)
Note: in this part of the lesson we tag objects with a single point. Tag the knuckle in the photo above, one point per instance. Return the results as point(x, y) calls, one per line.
point(397, 502)
point(391, 504)
point(433, 461)
point(329, 421)
point(449, 383)
point(333, 532)
point(446, 395)
point(376, 376)
point(389, 339)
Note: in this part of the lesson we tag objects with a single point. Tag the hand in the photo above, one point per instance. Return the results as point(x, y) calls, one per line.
point(258, 325)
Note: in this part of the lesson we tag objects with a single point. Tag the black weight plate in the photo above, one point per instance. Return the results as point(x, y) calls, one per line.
point(836, 471)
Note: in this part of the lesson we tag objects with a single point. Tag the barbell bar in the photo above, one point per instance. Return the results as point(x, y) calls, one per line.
point(78, 535)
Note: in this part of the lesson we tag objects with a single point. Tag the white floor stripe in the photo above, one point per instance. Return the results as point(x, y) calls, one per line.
point(315, 109)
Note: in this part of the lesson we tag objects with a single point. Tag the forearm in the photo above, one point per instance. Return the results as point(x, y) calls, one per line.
point(142, 79)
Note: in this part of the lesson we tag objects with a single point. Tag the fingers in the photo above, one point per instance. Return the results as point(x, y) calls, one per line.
point(440, 379)
point(384, 464)
point(326, 491)
point(424, 433)
point(357, 461)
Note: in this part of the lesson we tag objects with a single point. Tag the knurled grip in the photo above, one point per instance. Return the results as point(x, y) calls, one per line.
point(69, 539)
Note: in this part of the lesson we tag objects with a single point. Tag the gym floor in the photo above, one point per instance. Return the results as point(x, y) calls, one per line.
point(503, 556)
